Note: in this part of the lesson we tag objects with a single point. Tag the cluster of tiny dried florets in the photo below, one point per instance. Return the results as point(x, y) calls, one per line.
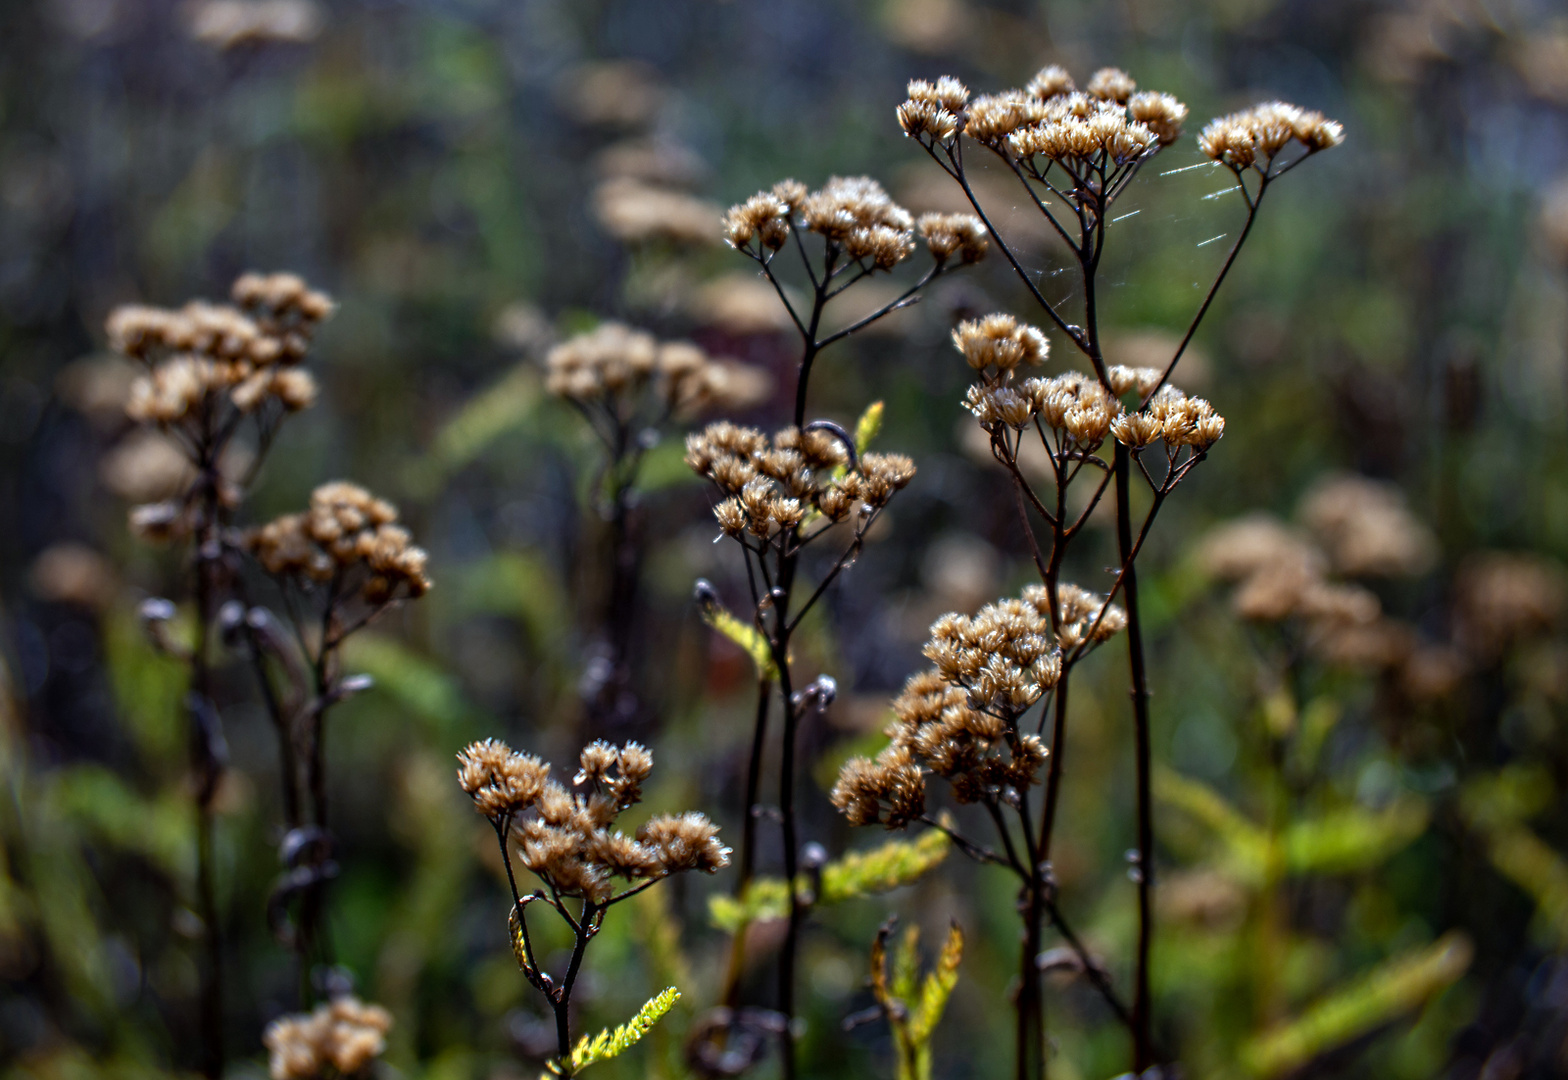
point(246, 355)
point(1075, 405)
point(566, 838)
point(346, 528)
point(775, 484)
point(342, 1038)
point(856, 216)
point(960, 719)
point(1109, 122)
point(613, 365)
point(1252, 138)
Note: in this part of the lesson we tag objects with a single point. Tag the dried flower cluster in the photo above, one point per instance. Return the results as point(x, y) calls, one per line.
point(342, 1038)
point(1076, 406)
point(345, 529)
point(856, 216)
point(203, 356)
point(1107, 123)
point(1504, 597)
point(566, 838)
point(613, 365)
point(776, 485)
point(1367, 529)
point(960, 719)
point(635, 211)
point(1252, 138)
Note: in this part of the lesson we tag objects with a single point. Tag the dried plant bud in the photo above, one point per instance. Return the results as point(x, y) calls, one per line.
point(1142, 379)
point(1050, 82)
point(1000, 341)
point(890, 790)
point(568, 839)
point(993, 117)
point(1111, 84)
point(954, 234)
point(1160, 113)
point(764, 217)
point(925, 118)
point(500, 782)
point(1136, 430)
point(686, 841)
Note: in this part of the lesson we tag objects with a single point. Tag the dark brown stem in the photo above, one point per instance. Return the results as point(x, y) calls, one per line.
point(746, 861)
point(1142, 1048)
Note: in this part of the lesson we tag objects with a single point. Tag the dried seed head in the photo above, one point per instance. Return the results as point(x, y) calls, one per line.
point(1111, 84)
point(344, 1036)
point(1241, 138)
point(1000, 341)
point(1050, 82)
point(954, 234)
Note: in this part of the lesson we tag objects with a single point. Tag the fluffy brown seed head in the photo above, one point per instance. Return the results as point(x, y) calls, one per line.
point(1161, 113)
point(954, 234)
point(1111, 84)
point(1000, 342)
point(1050, 82)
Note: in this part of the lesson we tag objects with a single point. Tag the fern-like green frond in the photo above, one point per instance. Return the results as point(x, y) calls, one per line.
point(857, 874)
point(937, 988)
point(608, 1044)
point(895, 863)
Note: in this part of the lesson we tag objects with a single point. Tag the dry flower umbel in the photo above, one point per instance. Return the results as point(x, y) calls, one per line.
point(778, 495)
point(1072, 154)
point(567, 839)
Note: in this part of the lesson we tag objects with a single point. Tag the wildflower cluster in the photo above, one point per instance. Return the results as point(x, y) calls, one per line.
point(341, 1038)
point(776, 485)
point(613, 366)
point(856, 217)
point(1092, 135)
point(566, 838)
point(203, 357)
point(960, 720)
point(345, 529)
point(1253, 138)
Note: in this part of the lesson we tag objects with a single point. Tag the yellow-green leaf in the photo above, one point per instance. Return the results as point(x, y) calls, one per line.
point(745, 635)
point(868, 427)
point(1396, 987)
point(937, 988)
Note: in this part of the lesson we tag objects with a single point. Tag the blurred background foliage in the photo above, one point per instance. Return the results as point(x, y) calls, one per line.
point(1362, 839)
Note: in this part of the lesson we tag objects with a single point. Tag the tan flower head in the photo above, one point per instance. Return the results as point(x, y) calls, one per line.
point(1000, 342)
point(1253, 137)
point(341, 1038)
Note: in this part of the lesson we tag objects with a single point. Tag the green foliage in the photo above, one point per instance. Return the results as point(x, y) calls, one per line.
point(748, 637)
point(608, 1044)
point(895, 863)
point(505, 406)
point(1390, 990)
point(913, 1015)
point(857, 874)
point(868, 427)
point(1340, 840)
point(1495, 807)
